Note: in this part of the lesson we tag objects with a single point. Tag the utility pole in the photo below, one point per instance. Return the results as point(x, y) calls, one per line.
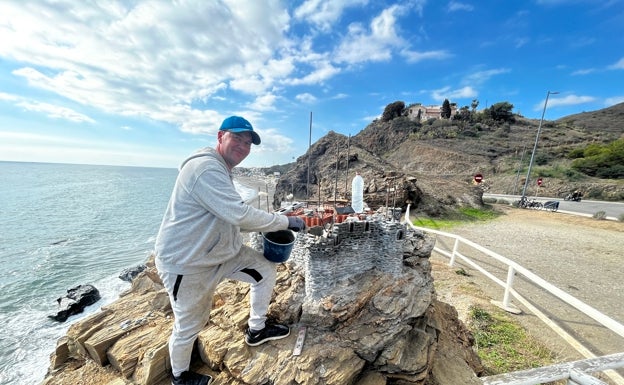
point(539, 129)
point(309, 156)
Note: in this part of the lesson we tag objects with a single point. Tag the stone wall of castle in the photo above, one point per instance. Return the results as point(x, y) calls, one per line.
point(347, 250)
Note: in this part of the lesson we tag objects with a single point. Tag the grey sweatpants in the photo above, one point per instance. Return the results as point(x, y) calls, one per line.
point(191, 299)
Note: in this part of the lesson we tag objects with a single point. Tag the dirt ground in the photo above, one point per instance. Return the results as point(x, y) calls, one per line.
point(580, 255)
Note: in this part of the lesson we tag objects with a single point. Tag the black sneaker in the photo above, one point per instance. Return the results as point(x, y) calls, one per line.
point(270, 332)
point(191, 378)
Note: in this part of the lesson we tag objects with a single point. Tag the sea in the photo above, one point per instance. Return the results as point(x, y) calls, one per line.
point(63, 225)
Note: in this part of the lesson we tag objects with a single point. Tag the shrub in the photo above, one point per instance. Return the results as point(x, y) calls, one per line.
point(502, 344)
point(393, 110)
point(572, 175)
point(613, 172)
point(600, 215)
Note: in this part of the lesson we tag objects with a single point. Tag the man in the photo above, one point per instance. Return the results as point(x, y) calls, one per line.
point(200, 244)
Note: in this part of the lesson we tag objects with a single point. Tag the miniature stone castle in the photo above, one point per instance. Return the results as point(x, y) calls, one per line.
point(346, 250)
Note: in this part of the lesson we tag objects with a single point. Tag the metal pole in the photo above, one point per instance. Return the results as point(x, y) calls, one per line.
point(347, 172)
point(336, 177)
point(539, 129)
point(394, 199)
point(309, 156)
point(387, 201)
point(515, 183)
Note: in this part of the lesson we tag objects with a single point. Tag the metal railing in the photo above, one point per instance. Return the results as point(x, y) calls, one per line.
point(514, 268)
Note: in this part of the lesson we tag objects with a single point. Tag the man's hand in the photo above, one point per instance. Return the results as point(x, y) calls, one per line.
point(296, 224)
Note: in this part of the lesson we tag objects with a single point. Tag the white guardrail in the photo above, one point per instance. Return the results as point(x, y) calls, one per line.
point(574, 372)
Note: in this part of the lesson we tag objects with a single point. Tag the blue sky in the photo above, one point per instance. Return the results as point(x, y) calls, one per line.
point(145, 83)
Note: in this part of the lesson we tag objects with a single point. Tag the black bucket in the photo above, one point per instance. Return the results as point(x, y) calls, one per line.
point(278, 245)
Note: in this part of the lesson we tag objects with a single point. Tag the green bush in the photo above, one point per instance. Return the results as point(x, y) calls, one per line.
point(600, 215)
point(604, 161)
point(575, 153)
point(572, 175)
point(613, 172)
point(542, 159)
point(503, 345)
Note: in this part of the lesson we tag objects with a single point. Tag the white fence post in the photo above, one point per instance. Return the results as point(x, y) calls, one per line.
point(511, 273)
point(455, 247)
point(506, 304)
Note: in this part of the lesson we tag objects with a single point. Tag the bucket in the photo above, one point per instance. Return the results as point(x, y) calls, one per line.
point(278, 245)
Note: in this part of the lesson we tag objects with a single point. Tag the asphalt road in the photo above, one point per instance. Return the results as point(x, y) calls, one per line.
point(613, 210)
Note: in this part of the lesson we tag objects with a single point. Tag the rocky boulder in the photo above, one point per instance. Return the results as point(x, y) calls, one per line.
point(75, 301)
point(130, 273)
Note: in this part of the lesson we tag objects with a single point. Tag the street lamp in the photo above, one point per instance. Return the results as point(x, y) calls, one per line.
point(539, 129)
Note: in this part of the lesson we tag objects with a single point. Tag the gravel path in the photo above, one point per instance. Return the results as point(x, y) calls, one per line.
point(582, 256)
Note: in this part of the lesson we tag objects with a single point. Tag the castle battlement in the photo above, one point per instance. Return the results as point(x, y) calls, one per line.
point(345, 251)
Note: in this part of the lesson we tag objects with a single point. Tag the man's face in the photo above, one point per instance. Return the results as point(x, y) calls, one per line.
point(234, 146)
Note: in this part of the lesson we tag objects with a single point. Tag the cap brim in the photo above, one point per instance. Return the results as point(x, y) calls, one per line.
point(255, 138)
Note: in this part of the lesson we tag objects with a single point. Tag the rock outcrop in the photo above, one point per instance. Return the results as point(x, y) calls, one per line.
point(74, 302)
point(372, 328)
point(333, 161)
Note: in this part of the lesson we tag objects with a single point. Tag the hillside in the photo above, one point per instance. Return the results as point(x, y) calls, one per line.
point(444, 155)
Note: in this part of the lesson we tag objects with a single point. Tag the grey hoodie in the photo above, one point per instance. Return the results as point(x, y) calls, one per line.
point(203, 221)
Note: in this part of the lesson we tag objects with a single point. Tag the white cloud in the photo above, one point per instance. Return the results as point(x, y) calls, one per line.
point(586, 71)
point(322, 70)
point(306, 98)
point(619, 65)
point(569, 100)
point(455, 6)
point(147, 58)
point(50, 110)
point(521, 41)
point(8, 97)
point(55, 111)
point(480, 77)
point(451, 95)
point(264, 102)
point(324, 13)
point(273, 142)
point(415, 57)
point(251, 85)
point(29, 147)
point(374, 43)
point(614, 100)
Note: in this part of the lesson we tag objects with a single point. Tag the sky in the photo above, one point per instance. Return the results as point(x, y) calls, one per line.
point(147, 83)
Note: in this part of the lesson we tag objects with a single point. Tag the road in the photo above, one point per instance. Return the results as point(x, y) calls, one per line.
point(613, 210)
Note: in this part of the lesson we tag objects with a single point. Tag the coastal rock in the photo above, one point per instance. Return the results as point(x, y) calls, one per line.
point(130, 273)
point(75, 301)
point(373, 327)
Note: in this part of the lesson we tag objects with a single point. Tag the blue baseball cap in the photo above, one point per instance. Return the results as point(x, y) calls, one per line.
point(238, 124)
